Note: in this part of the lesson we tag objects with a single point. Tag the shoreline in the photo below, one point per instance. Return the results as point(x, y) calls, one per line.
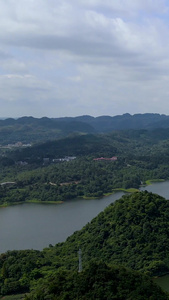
point(150, 181)
point(30, 201)
point(129, 190)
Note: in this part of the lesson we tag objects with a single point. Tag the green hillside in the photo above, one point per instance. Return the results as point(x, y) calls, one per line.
point(133, 232)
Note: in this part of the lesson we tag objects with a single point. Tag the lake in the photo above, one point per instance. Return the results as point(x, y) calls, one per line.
point(35, 226)
point(160, 188)
point(163, 281)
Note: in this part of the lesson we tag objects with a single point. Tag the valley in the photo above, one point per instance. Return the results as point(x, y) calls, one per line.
point(82, 174)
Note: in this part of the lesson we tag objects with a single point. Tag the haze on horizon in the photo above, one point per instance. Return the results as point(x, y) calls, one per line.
point(83, 57)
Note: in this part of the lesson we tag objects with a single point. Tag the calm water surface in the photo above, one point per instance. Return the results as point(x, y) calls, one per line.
point(160, 188)
point(35, 226)
point(163, 282)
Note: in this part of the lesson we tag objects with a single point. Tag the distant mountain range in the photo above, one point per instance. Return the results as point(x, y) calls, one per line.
point(99, 124)
point(122, 122)
point(30, 129)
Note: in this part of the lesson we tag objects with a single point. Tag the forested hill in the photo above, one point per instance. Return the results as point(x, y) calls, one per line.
point(115, 143)
point(31, 130)
point(133, 232)
point(126, 121)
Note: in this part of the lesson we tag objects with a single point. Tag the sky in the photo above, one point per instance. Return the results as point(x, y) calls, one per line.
point(83, 57)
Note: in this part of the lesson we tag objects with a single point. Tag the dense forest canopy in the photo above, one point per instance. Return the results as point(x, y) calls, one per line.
point(98, 281)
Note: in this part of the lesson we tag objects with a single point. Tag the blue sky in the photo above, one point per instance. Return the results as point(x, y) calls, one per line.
point(68, 58)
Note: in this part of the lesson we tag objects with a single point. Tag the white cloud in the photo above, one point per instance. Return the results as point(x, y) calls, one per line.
point(14, 66)
point(77, 55)
point(19, 85)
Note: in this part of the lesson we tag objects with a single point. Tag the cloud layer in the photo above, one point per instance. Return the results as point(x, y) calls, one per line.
point(67, 58)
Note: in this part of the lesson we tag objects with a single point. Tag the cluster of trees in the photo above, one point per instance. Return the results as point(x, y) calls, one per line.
point(98, 281)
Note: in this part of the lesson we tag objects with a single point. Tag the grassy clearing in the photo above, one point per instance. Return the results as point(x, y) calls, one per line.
point(131, 190)
point(108, 194)
point(148, 182)
point(42, 202)
point(13, 297)
point(6, 204)
point(89, 198)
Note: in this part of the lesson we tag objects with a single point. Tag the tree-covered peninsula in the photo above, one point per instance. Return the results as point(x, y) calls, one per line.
point(132, 233)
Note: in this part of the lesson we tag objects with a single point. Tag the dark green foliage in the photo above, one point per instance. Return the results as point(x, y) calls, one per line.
point(6, 162)
point(18, 268)
point(98, 281)
point(29, 129)
point(77, 145)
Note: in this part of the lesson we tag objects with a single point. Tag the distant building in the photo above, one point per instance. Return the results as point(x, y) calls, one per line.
point(16, 145)
point(45, 160)
point(55, 160)
point(66, 158)
point(22, 163)
point(8, 183)
point(113, 158)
